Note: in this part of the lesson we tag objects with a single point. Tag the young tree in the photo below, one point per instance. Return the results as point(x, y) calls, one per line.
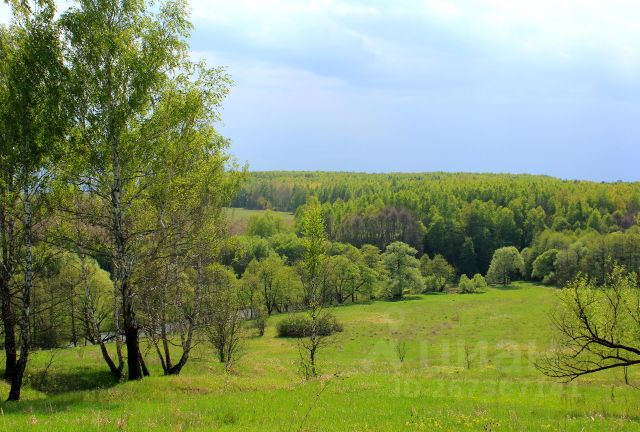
point(505, 264)
point(223, 313)
point(473, 285)
point(313, 230)
point(313, 233)
point(403, 269)
point(597, 327)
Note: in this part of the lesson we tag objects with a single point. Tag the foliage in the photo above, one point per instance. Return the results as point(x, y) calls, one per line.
point(238, 251)
point(543, 267)
point(597, 326)
point(467, 286)
point(506, 264)
point(288, 245)
point(223, 320)
point(313, 231)
point(466, 217)
point(266, 224)
point(437, 272)
point(403, 269)
point(270, 284)
point(300, 326)
point(479, 282)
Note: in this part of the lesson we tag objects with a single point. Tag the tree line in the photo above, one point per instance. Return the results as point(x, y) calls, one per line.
point(463, 217)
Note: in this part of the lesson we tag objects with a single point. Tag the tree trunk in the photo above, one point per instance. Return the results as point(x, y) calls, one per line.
point(8, 321)
point(143, 365)
point(122, 274)
point(21, 364)
point(131, 334)
point(122, 264)
point(74, 331)
point(165, 370)
point(163, 321)
point(9, 330)
point(116, 325)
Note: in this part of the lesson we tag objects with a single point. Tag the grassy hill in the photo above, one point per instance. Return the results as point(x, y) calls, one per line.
point(468, 366)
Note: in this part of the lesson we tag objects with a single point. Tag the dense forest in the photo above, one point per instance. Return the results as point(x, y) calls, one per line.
point(572, 225)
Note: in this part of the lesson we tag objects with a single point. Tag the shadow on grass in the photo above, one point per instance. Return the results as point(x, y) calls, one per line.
point(470, 293)
point(64, 390)
point(352, 304)
point(410, 297)
point(507, 287)
point(62, 403)
point(80, 379)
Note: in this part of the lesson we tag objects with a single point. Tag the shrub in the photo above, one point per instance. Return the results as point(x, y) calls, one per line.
point(298, 326)
point(466, 285)
point(479, 281)
point(401, 350)
point(434, 284)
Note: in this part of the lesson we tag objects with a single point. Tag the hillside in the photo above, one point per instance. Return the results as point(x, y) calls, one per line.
point(468, 366)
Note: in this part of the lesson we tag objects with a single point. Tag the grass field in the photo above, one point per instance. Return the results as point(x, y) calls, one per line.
point(238, 218)
point(468, 366)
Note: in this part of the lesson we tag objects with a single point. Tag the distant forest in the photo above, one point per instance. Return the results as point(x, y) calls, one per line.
point(567, 226)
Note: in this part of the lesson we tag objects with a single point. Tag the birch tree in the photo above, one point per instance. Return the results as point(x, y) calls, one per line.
point(33, 125)
point(121, 55)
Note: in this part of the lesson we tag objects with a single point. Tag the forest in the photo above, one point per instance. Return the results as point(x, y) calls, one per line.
point(466, 217)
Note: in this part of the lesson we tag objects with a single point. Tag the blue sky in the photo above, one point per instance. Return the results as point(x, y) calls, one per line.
point(544, 87)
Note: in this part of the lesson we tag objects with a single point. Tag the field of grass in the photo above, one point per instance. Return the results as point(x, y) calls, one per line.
point(468, 366)
point(238, 218)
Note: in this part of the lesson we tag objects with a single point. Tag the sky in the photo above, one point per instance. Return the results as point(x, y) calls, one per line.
point(543, 87)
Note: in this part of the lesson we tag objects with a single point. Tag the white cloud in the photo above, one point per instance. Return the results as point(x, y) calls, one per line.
point(442, 7)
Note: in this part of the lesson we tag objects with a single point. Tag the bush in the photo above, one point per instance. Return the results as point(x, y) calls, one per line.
point(298, 326)
point(479, 281)
point(466, 285)
point(434, 284)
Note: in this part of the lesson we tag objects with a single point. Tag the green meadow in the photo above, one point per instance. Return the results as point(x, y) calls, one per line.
point(469, 365)
point(238, 218)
